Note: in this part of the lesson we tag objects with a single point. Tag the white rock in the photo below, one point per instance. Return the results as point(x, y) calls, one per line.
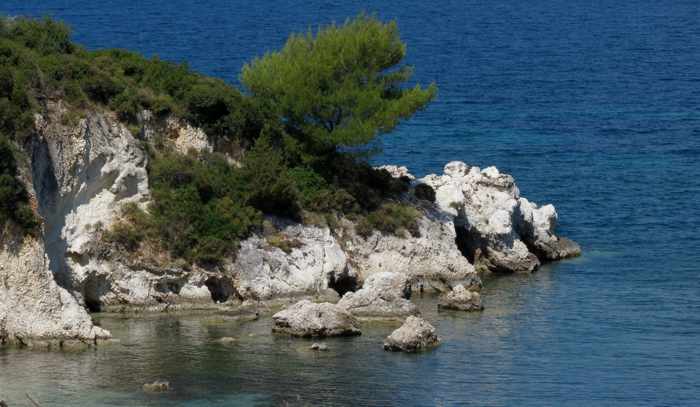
point(383, 295)
point(32, 306)
point(397, 171)
point(185, 137)
point(263, 271)
point(431, 260)
point(497, 226)
point(416, 334)
point(309, 319)
point(461, 299)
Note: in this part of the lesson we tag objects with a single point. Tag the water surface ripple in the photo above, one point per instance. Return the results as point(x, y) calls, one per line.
point(591, 105)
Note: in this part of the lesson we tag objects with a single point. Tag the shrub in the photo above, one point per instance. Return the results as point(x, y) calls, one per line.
point(390, 218)
point(425, 192)
point(284, 243)
point(124, 235)
point(14, 200)
point(266, 180)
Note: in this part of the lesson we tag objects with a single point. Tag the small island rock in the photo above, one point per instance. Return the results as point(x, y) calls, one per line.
point(308, 319)
point(416, 334)
point(461, 299)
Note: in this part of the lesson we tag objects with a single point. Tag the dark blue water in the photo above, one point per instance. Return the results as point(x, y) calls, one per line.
point(591, 105)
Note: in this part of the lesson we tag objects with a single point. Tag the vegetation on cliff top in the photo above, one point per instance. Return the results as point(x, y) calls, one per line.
point(339, 87)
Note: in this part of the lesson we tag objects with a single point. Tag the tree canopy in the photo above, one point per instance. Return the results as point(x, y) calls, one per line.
point(341, 86)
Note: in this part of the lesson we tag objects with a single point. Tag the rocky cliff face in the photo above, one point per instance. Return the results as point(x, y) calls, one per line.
point(81, 175)
point(34, 310)
point(495, 226)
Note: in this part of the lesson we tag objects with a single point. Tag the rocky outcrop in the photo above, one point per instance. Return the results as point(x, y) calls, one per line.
point(34, 310)
point(461, 299)
point(308, 319)
point(537, 231)
point(416, 334)
point(383, 295)
point(397, 171)
point(431, 260)
point(312, 261)
point(82, 176)
point(495, 226)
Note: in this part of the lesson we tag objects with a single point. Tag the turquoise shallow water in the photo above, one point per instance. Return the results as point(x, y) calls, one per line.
point(592, 105)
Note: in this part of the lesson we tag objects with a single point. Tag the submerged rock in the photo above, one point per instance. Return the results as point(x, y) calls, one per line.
point(159, 386)
point(416, 334)
point(322, 347)
point(383, 295)
point(308, 319)
point(461, 299)
point(495, 226)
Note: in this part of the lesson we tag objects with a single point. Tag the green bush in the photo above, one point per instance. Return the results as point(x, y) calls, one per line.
point(391, 219)
point(425, 192)
point(267, 182)
point(14, 200)
point(124, 235)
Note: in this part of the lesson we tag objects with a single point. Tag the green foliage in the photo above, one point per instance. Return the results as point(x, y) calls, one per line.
point(341, 86)
point(425, 192)
point(268, 184)
point(197, 211)
point(14, 200)
point(38, 60)
point(283, 243)
point(390, 218)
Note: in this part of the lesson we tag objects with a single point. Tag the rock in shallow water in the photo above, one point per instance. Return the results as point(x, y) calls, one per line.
point(461, 299)
point(159, 386)
point(319, 347)
point(308, 319)
point(416, 334)
point(383, 295)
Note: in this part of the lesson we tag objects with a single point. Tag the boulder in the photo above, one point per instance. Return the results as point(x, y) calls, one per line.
point(497, 228)
point(308, 319)
point(416, 334)
point(159, 386)
point(461, 299)
point(383, 295)
point(322, 347)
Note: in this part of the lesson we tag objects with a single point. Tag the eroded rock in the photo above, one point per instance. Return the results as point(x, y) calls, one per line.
point(308, 319)
point(416, 334)
point(431, 259)
point(495, 226)
point(264, 271)
point(461, 299)
point(34, 310)
point(383, 295)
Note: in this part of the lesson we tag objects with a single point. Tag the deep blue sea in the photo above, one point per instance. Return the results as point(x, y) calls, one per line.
point(593, 105)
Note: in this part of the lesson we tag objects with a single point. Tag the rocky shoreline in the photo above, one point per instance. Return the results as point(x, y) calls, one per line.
point(80, 176)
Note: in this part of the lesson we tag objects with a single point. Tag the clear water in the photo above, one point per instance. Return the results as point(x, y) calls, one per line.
point(592, 105)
